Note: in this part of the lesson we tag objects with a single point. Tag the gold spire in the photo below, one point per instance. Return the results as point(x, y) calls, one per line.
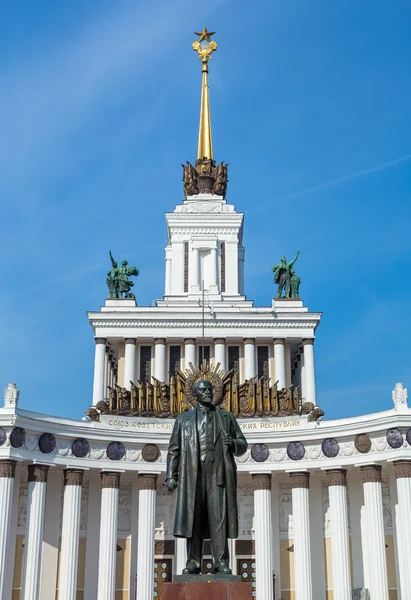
point(205, 47)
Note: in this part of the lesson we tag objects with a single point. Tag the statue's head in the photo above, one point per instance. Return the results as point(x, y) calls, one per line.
point(124, 263)
point(203, 391)
point(283, 260)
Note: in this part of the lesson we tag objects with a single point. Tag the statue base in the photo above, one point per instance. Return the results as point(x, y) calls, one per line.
point(204, 587)
point(206, 578)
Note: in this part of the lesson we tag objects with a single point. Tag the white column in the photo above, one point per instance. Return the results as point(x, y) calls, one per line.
point(51, 537)
point(263, 535)
point(181, 555)
point(99, 362)
point(134, 540)
point(146, 535)
point(309, 371)
point(36, 497)
point(219, 352)
point(356, 505)
point(276, 537)
point(8, 586)
point(110, 483)
point(301, 525)
point(92, 540)
point(168, 275)
point(73, 482)
point(279, 362)
point(249, 358)
point(213, 270)
point(160, 359)
point(337, 491)
point(7, 474)
point(189, 352)
point(193, 266)
point(317, 537)
point(376, 561)
point(403, 476)
point(129, 362)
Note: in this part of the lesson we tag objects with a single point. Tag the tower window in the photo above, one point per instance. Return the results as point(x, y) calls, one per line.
point(175, 358)
point(234, 358)
point(145, 363)
point(262, 360)
point(206, 356)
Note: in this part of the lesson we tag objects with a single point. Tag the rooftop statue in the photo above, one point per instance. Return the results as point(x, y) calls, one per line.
point(286, 278)
point(201, 465)
point(118, 282)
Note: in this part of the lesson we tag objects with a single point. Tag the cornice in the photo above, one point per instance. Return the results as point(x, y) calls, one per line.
point(184, 324)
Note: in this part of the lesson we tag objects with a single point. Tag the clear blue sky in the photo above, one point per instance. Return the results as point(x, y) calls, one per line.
point(311, 106)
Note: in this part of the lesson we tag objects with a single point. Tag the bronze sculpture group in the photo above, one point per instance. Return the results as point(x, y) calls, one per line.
point(118, 282)
point(286, 278)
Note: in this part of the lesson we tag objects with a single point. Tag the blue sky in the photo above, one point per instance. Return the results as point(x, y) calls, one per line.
point(311, 107)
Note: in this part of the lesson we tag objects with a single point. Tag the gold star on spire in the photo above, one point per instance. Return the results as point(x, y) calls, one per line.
point(204, 35)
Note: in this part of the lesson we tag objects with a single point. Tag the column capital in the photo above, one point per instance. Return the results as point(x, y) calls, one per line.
point(278, 341)
point(73, 476)
point(337, 477)
point(308, 342)
point(371, 473)
point(131, 341)
point(189, 341)
point(147, 481)
point(110, 479)
point(249, 340)
point(160, 341)
point(300, 480)
point(8, 468)
point(100, 340)
point(402, 469)
point(38, 473)
point(262, 481)
point(219, 340)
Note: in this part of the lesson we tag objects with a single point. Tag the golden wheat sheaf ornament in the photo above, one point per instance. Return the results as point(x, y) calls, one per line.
point(212, 373)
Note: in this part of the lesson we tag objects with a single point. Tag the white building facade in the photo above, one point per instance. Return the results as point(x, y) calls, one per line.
point(324, 506)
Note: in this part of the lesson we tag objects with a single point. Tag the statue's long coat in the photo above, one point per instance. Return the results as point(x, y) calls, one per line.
point(182, 465)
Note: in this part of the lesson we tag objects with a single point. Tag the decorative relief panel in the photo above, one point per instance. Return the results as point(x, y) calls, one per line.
point(285, 509)
point(124, 507)
point(246, 509)
point(84, 506)
point(386, 502)
point(22, 512)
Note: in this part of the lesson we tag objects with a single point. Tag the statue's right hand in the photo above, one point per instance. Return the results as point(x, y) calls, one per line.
point(171, 484)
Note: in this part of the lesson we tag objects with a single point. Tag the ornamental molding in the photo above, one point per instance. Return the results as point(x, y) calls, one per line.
point(11, 396)
point(110, 480)
point(73, 476)
point(147, 482)
point(371, 474)
point(403, 469)
point(277, 324)
point(399, 394)
point(8, 468)
point(262, 481)
point(37, 473)
point(337, 477)
point(300, 480)
point(212, 230)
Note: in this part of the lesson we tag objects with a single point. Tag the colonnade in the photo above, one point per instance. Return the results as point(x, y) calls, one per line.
point(107, 545)
point(372, 524)
point(306, 375)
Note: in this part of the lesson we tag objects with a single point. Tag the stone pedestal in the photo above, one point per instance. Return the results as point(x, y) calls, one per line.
point(205, 588)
